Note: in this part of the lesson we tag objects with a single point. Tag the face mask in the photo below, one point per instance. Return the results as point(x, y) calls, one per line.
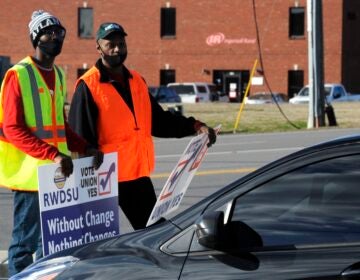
point(52, 48)
point(114, 60)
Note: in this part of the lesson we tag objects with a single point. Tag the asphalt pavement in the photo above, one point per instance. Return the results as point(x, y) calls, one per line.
point(233, 156)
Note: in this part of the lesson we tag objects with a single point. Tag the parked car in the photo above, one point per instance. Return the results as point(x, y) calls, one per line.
point(266, 98)
point(163, 94)
point(295, 218)
point(195, 92)
point(333, 93)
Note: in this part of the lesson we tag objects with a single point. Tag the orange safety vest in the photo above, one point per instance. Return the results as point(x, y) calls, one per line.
point(119, 130)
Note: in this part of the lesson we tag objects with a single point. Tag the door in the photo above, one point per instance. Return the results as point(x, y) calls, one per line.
point(233, 87)
point(295, 82)
point(167, 76)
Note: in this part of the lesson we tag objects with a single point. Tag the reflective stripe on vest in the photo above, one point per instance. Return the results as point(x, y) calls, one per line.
point(18, 170)
point(121, 131)
point(40, 131)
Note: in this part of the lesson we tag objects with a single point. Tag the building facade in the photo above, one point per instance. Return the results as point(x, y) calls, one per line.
point(199, 41)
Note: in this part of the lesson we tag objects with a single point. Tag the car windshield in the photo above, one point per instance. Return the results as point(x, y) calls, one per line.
point(305, 91)
point(152, 90)
point(171, 93)
point(183, 89)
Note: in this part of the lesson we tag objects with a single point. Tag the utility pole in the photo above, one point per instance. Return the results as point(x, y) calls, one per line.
point(309, 13)
point(316, 64)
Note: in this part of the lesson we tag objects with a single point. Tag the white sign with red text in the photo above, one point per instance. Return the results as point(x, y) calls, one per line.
point(180, 177)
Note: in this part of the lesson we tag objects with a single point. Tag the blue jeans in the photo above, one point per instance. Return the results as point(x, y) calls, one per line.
point(26, 234)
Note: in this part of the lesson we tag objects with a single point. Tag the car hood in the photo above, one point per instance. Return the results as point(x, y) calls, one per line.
point(135, 255)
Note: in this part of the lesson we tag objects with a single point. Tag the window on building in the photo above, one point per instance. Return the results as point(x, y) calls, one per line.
point(168, 22)
point(85, 22)
point(296, 22)
point(167, 76)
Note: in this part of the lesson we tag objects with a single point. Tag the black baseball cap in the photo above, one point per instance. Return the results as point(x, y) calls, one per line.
point(107, 28)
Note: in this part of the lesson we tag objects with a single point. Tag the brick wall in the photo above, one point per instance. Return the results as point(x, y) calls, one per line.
point(188, 53)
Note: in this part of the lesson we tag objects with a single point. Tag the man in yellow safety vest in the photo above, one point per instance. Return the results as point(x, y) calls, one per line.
point(33, 132)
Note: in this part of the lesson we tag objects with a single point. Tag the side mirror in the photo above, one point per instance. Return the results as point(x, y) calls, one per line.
point(231, 238)
point(234, 238)
point(209, 228)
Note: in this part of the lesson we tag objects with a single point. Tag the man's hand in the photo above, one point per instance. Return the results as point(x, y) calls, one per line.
point(66, 164)
point(210, 132)
point(98, 156)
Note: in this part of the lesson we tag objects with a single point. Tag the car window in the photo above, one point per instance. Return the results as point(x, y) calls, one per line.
point(171, 93)
point(162, 92)
point(304, 92)
point(183, 89)
point(341, 90)
point(152, 91)
point(338, 92)
point(201, 89)
point(213, 89)
point(315, 204)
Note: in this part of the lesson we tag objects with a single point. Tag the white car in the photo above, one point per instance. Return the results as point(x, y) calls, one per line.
point(266, 98)
point(195, 92)
point(333, 93)
point(301, 98)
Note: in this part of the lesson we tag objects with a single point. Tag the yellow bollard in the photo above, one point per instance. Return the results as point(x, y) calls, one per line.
point(246, 93)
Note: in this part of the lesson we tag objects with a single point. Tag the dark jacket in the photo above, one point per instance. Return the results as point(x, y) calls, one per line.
point(83, 112)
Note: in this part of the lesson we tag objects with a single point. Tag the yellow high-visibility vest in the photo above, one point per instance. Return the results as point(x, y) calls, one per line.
point(43, 115)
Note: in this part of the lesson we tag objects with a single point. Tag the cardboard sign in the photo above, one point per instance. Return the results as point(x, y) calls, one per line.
point(81, 208)
point(180, 177)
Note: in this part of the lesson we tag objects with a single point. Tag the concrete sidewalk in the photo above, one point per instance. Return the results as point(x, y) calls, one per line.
point(3, 265)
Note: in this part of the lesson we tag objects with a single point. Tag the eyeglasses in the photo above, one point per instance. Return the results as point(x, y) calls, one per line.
point(50, 33)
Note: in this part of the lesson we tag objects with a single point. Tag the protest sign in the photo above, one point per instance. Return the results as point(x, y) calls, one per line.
point(81, 208)
point(180, 177)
